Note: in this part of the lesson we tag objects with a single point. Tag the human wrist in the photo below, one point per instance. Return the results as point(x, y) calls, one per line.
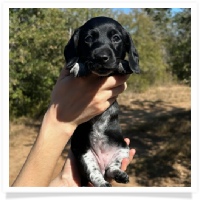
point(53, 126)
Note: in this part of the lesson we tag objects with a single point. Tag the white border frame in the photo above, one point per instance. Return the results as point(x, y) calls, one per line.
point(92, 4)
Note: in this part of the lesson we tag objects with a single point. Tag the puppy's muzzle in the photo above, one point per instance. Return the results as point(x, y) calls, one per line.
point(103, 56)
point(103, 61)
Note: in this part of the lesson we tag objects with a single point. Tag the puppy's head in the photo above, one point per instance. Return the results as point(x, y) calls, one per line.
point(101, 44)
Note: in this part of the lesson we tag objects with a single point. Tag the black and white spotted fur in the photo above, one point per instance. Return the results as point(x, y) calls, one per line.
point(100, 47)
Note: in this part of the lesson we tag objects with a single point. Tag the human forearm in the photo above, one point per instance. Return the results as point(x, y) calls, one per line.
point(40, 164)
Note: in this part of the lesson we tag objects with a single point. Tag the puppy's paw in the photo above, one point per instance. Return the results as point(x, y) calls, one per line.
point(124, 68)
point(121, 69)
point(106, 184)
point(75, 70)
point(121, 177)
point(79, 70)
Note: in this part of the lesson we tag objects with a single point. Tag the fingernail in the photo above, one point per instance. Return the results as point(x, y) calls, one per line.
point(125, 84)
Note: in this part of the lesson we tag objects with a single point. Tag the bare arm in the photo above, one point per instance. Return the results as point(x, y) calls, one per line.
point(67, 110)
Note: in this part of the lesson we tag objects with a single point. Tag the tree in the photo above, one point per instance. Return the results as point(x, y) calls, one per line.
point(175, 31)
point(180, 49)
point(148, 42)
point(36, 57)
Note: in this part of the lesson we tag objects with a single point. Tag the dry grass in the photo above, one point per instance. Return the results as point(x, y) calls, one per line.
point(176, 95)
point(158, 124)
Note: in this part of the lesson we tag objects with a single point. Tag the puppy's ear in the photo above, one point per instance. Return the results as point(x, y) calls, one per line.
point(132, 55)
point(70, 52)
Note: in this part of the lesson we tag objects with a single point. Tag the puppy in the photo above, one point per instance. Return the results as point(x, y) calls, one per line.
point(100, 47)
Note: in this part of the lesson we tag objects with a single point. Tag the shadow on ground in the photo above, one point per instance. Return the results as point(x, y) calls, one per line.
point(162, 139)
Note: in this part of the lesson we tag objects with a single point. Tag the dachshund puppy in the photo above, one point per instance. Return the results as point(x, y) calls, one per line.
point(100, 47)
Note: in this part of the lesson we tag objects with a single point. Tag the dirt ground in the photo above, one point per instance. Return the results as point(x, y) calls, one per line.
point(158, 123)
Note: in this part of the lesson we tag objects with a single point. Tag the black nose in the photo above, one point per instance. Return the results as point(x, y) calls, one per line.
point(101, 57)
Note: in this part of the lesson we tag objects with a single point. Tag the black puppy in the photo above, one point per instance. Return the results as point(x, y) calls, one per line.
point(100, 47)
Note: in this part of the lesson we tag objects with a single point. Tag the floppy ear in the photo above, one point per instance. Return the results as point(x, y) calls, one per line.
point(70, 52)
point(132, 55)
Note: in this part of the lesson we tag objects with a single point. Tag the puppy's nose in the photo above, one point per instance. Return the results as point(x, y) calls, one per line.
point(102, 57)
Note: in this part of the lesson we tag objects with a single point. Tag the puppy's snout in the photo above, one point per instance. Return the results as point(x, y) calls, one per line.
point(102, 57)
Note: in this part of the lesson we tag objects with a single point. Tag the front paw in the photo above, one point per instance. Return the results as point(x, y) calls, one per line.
point(75, 70)
point(124, 68)
point(79, 70)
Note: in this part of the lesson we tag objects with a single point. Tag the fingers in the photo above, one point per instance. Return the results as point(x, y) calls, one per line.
point(64, 72)
point(127, 140)
point(113, 86)
point(118, 90)
point(70, 172)
point(114, 81)
point(112, 94)
point(132, 151)
point(106, 97)
point(131, 154)
point(68, 166)
point(126, 161)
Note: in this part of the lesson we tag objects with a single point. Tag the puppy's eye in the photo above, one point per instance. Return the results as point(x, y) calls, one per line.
point(116, 38)
point(88, 39)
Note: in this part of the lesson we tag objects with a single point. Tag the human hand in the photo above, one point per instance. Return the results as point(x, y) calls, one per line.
point(69, 176)
point(77, 100)
point(126, 161)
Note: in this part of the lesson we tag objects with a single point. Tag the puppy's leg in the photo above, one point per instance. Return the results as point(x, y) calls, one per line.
point(93, 170)
point(124, 68)
point(79, 69)
point(114, 171)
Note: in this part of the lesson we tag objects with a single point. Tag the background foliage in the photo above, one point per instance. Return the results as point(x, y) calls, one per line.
point(38, 37)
